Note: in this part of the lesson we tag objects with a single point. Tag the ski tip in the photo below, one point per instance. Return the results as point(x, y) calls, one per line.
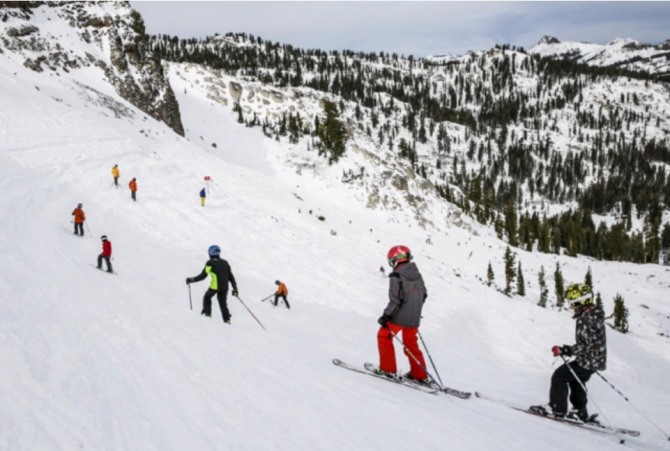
point(337, 361)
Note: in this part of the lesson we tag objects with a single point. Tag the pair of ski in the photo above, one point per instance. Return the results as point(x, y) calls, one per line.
point(369, 369)
point(591, 426)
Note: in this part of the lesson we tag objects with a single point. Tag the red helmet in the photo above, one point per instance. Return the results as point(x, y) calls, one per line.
point(398, 254)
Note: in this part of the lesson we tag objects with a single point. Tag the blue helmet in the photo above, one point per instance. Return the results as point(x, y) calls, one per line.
point(214, 250)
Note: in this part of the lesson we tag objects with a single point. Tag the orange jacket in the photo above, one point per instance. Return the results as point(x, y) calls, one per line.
point(79, 216)
point(281, 289)
point(132, 185)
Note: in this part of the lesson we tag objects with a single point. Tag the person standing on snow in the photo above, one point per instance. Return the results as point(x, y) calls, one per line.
point(281, 292)
point(203, 196)
point(133, 188)
point(407, 294)
point(590, 352)
point(79, 218)
point(106, 253)
point(116, 174)
point(219, 270)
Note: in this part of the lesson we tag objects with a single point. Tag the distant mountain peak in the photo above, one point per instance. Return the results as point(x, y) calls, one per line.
point(622, 42)
point(548, 39)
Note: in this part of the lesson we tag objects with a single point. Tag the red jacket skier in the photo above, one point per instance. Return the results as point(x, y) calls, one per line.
point(106, 253)
point(407, 293)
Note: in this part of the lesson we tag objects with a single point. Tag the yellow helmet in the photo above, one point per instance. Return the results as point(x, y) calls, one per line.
point(578, 295)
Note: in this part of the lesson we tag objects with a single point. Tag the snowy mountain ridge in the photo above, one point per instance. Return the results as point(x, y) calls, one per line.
point(625, 53)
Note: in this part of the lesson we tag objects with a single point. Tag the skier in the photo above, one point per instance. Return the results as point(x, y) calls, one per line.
point(106, 253)
point(407, 294)
point(381, 270)
point(79, 218)
point(203, 196)
point(590, 354)
point(133, 188)
point(281, 292)
point(221, 275)
point(116, 174)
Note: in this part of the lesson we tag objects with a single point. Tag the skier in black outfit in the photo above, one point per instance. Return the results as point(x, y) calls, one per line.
point(221, 275)
point(590, 352)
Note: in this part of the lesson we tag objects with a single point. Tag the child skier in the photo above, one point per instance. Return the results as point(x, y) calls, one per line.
point(116, 173)
point(407, 293)
point(203, 196)
point(221, 275)
point(106, 253)
point(79, 218)
point(590, 352)
point(281, 292)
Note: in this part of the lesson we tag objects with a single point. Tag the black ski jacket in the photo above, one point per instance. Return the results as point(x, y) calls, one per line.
point(219, 270)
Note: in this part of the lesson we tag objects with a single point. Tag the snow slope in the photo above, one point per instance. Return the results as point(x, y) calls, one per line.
point(121, 362)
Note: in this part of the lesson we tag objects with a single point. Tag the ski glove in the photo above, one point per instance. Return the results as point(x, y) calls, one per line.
point(188, 280)
point(565, 350)
point(235, 293)
point(383, 320)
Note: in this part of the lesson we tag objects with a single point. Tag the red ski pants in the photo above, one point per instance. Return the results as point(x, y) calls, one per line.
point(385, 339)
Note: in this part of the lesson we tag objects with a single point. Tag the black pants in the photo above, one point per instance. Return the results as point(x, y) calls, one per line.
point(132, 195)
point(79, 226)
point(221, 296)
point(116, 181)
point(109, 264)
point(283, 296)
point(562, 382)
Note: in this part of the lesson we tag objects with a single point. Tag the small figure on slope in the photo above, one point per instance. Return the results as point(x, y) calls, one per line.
point(79, 218)
point(407, 294)
point(106, 253)
point(281, 292)
point(590, 355)
point(203, 196)
point(382, 271)
point(116, 173)
point(219, 270)
point(133, 189)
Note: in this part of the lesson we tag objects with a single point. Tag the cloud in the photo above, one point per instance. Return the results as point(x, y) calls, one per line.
point(418, 28)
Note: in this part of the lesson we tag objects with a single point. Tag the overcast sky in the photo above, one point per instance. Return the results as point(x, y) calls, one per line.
point(417, 28)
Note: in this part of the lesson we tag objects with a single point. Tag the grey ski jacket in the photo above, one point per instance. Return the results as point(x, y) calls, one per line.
point(407, 293)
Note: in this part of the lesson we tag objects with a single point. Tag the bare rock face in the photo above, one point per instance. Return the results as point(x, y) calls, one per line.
point(115, 39)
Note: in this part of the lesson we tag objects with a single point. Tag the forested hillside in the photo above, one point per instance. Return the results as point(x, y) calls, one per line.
point(553, 153)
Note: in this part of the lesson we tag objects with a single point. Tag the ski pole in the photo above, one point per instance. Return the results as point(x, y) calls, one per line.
point(638, 410)
point(589, 397)
point(409, 353)
point(265, 299)
point(431, 359)
point(189, 296)
point(245, 306)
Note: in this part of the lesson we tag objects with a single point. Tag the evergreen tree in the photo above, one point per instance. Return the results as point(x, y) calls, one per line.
point(620, 314)
point(520, 283)
point(588, 279)
point(544, 291)
point(490, 277)
point(511, 224)
point(558, 285)
point(510, 274)
point(332, 133)
point(238, 109)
